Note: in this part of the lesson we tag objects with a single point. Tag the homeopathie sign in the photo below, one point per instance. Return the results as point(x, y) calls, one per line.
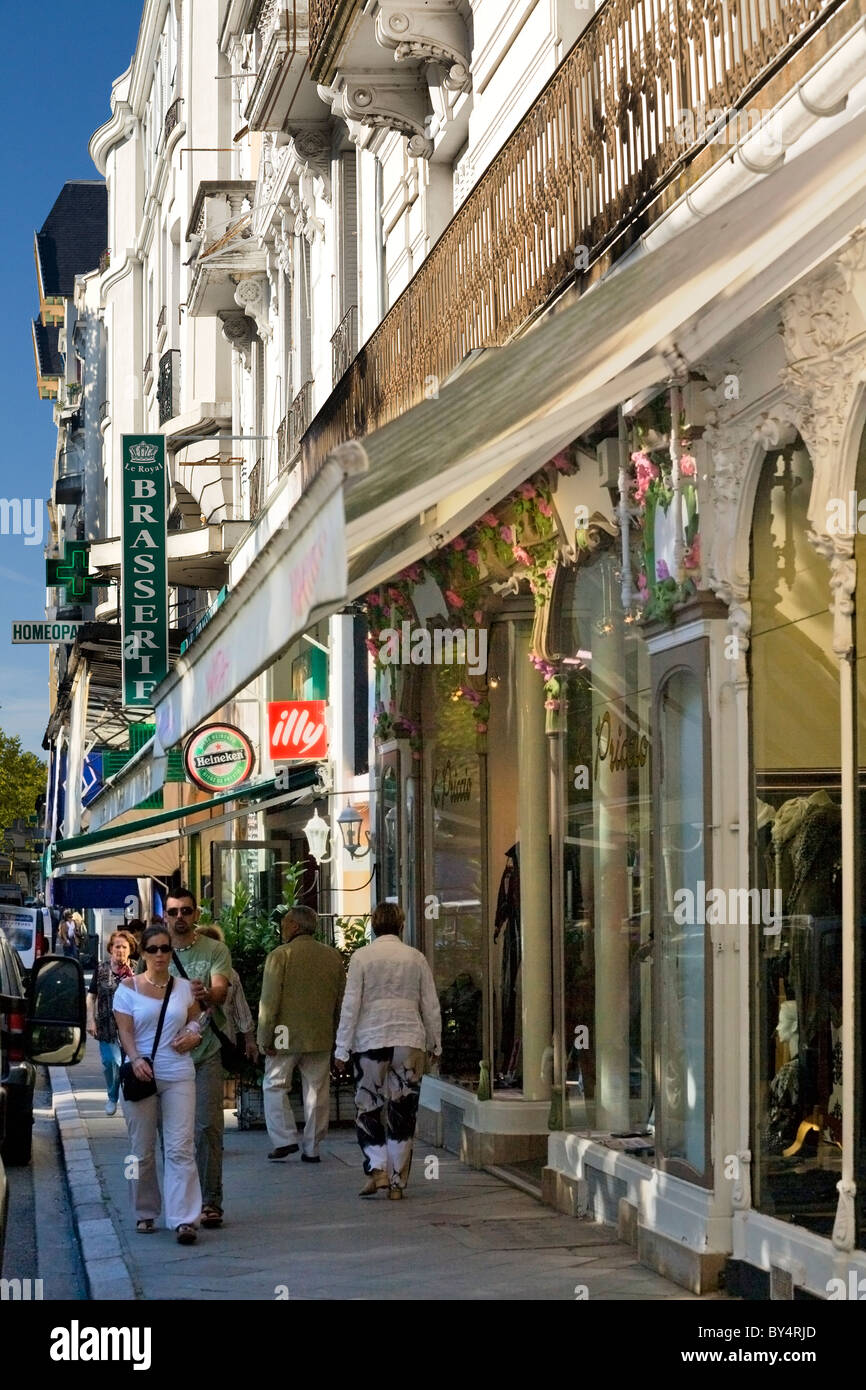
point(144, 572)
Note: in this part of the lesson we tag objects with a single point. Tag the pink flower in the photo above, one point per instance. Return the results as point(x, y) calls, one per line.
point(562, 461)
point(490, 519)
point(552, 704)
point(642, 582)
point(550, 573)
point(454, 600)
point(412, 574)
point(527, 490)
point(395, 595)
point(692, 557)
point(371, 647)
point(645, 472)
point(458, 543)
point(522, 556)
point(481, 728)
point(544, 507)
point(478, 616)
point(507, 534)
point(373, 600)
point(688, 467)
point(473, 558)
point(662, 571)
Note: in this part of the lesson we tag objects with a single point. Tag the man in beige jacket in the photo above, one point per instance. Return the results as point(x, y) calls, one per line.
point(302, 991)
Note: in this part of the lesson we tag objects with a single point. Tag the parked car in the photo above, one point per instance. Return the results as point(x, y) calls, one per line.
point(17, 1072)
point(42, 1022)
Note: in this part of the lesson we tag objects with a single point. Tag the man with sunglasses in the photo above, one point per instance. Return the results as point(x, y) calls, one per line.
point(207, 965)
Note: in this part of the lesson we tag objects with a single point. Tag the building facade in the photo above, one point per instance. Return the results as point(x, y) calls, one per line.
point(509, 364)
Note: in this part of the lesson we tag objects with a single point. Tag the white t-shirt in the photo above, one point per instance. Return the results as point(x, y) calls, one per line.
point(168, 1064)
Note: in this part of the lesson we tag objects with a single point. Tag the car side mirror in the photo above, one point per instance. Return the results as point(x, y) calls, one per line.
point(56, 1015)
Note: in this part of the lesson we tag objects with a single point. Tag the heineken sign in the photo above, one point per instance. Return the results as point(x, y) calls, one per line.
point(144, 573)
point(218, 757)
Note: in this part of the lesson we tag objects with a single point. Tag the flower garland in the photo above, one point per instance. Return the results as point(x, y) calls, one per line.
point(652, 487)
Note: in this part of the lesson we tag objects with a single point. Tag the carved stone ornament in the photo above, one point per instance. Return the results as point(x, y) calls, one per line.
point(741, 1196)
point(390, 101)
point(251, 293)
point(310, 149)
point(238, 331)
point(432, 33)
point(844, 1227)
point(839, 553)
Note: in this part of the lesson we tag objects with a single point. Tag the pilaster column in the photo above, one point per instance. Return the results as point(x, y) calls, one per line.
point(534, 844)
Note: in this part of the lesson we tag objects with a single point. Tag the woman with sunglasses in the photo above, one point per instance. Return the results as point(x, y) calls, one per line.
point(137, 1006)
point(100, 1011)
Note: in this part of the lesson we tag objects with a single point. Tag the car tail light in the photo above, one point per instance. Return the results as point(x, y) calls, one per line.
point(16, 1024)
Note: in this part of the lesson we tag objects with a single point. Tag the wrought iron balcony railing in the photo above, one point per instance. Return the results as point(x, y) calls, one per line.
point(292, 428)
point(623, 116)
point(329, 20)
point(168, 386)
point(344, 344)
point(148, 364)
point(172, 118)
point(255, 490)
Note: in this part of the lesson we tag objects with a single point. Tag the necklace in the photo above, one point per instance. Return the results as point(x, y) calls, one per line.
point(154, 983)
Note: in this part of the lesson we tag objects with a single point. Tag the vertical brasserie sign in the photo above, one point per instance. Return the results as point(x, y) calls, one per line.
point(144, 571)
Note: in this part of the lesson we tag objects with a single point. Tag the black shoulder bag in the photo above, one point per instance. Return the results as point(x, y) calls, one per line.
point(231, 1056)
point(134, 1089)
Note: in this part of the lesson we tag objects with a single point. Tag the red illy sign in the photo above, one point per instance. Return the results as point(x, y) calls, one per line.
point(297, 730)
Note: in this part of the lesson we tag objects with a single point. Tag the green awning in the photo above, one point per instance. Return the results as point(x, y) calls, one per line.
point(144, 827)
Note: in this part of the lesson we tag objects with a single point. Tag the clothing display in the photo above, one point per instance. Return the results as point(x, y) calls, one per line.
point(461, 1005)
point(506, 924)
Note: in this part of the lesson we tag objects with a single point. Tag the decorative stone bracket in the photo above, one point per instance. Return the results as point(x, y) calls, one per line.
point(379, 100)
point(238, 331)
point(252, 296)
point(431, 34)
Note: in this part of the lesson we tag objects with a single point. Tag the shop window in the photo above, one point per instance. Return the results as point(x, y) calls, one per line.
point(452, 886)
point(797, 857)
point(683, 936)
point(606, 929)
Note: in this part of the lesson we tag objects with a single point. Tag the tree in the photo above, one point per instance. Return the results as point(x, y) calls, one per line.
point(22, 779)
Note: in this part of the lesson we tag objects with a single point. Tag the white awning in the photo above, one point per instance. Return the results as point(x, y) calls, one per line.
point(140, 778)
point(282, 579)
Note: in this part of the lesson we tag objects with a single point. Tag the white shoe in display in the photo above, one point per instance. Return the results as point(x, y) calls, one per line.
point(111, 1107)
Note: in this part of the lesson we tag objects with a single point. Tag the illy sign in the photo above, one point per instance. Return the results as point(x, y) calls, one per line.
point(297, 729)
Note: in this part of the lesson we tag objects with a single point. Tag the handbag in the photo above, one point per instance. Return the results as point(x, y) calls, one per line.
point(133, 1088)
point(231, 1056)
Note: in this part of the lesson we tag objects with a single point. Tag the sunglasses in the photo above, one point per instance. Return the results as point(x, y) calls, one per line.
point(157, 950)
point(179, 911)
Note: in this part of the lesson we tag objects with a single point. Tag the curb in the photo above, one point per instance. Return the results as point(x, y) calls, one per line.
point(104, 1266)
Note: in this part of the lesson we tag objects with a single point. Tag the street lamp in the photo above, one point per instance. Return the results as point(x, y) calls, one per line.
point(349, 822)
point(317, 831)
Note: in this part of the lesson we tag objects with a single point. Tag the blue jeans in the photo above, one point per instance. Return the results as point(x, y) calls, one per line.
point(109, 1054)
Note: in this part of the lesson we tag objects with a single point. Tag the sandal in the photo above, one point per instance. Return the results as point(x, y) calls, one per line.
point(145, 1227)
point(186, 1235)
point(211, 1217)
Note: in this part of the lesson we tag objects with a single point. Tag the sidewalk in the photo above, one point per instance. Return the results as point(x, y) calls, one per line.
point(301, 1231)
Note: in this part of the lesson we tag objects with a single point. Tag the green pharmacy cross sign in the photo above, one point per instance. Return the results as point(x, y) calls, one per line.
point(72, 573)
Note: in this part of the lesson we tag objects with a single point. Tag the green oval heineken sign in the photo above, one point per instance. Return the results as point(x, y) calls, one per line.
point(218, 757)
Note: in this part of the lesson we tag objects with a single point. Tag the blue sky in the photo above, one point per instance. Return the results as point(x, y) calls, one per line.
point(62, 60)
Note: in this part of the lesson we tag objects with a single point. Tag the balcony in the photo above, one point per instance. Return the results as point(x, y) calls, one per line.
point(344, 344)
point(221, 228)
point(255, 486)
point(172, 120)
point(69, 490)
point(293, 427)
point(282, 48)
point(329, 23)
point(168, 386)
point(580, 179)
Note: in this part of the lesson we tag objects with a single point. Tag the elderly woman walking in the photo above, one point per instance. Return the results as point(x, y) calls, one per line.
point(100, 1012)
